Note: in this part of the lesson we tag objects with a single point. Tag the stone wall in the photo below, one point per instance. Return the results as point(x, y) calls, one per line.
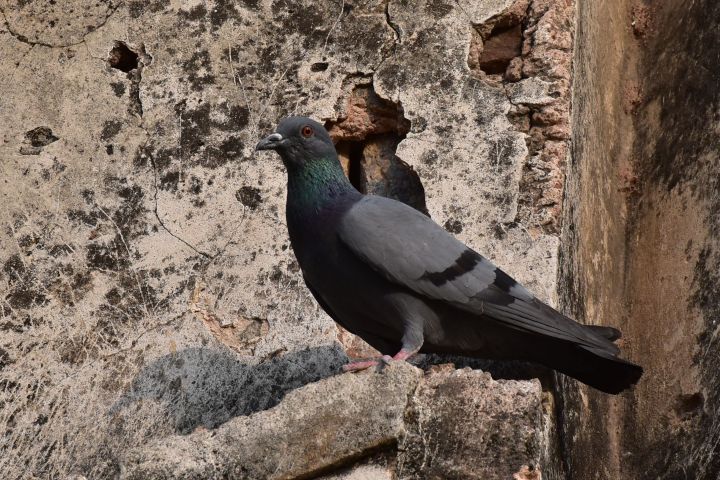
point(152, 314)
point(400, 424)
point(147, 285)
point(641, 247)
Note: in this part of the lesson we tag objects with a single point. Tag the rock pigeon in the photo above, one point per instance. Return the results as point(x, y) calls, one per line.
point(392, 276)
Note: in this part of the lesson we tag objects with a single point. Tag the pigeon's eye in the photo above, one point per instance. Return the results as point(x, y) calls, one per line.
point(307, 131)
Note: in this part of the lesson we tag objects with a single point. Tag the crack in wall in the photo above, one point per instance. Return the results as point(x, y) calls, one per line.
point(157, 215)
point(22, 38)
point(393, 25)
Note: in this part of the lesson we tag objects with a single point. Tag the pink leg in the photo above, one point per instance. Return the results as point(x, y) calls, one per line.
point(401, 355)
point(374, 362)
point(404, 354)
point(361, 365)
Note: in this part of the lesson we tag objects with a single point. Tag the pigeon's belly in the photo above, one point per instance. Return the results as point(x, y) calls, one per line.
point(357, 297)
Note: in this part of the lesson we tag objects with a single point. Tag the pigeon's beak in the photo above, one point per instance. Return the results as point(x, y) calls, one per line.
point(271, 142)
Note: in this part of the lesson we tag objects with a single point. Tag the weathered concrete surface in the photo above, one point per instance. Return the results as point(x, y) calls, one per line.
point(321, 425)
point(147, 285)
point(595, 213)
point(450, 424)
point(461, 142)
point(643, 252)
point(462, 424)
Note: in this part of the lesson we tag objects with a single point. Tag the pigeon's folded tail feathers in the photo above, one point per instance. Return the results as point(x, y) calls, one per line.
point(609, 333)
point(606, 373)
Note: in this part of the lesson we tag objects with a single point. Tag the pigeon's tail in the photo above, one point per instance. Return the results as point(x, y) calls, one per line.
point(596, 368)
point(609, 333)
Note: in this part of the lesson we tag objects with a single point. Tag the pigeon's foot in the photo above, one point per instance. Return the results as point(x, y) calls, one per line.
point(404, 354)
point(380, 362)
point(358, 366)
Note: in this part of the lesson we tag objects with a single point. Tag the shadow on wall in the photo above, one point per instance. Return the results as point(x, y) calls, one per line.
point(498, 369)
point(202, 387)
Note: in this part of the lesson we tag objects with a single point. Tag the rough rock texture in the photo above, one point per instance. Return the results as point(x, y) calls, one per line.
point(527, 49)
point(316, 427)
point(147, 287)
point(451, 424)
point(457, 415)
point(642, 250)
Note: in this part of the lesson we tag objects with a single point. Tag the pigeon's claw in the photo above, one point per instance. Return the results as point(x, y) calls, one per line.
point(358, 366)
point(402, 356)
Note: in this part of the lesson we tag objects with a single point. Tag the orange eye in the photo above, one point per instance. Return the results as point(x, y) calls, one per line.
point(307, 131)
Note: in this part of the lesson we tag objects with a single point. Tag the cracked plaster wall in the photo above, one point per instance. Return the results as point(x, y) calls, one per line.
point(147, 283)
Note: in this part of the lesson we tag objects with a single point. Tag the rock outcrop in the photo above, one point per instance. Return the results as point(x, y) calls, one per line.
point(394, 424)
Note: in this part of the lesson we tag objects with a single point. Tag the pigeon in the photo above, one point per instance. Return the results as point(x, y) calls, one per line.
point(391, 275)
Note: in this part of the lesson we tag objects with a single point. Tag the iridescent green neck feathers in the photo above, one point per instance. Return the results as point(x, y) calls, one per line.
point(315, 182)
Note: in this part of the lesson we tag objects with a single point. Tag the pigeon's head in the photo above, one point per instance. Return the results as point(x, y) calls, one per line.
point(299, 141)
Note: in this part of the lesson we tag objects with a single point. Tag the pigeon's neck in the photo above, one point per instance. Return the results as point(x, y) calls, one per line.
point(317, 184)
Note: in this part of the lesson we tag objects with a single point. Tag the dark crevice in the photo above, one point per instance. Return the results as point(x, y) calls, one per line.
point(689, 404)
point(132, 62)
point(354, 152)
point(123, 57)
point(319, 66)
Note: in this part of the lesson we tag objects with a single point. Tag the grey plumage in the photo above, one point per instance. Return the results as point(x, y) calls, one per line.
point(394, 277)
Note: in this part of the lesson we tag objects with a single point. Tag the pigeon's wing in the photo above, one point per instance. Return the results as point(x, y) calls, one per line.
point(409, 249)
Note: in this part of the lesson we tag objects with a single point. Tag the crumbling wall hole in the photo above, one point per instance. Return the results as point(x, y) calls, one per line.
point(496, 45)
point(501, 46)
point(122, 57)
point(366, 136)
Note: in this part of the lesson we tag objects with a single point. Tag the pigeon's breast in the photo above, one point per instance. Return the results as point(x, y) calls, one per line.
point(353, 294)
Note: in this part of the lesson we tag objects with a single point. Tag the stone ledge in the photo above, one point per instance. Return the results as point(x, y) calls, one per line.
point(445, 424)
